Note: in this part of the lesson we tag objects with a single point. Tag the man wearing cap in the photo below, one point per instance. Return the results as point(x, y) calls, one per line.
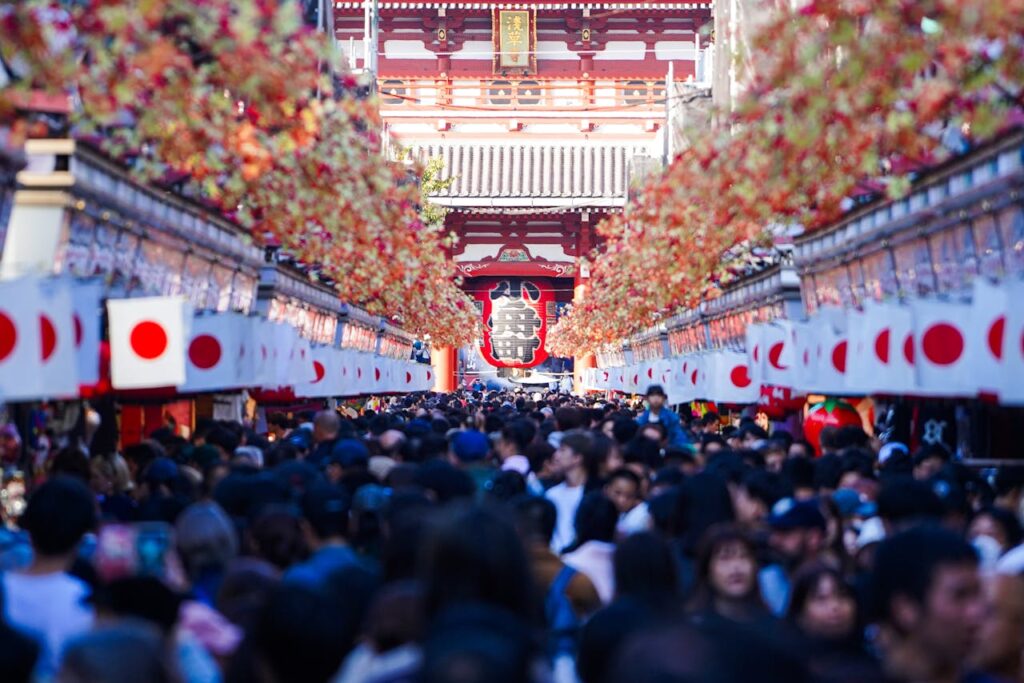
point(658, 413)
point(797, 535)
point(469, 452)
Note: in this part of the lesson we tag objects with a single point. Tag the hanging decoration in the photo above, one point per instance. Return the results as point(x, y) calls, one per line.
point(515, 314)
point(849, 99)
point(231, 101)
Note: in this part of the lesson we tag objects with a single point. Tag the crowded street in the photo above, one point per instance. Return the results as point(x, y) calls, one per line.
point(365, 341)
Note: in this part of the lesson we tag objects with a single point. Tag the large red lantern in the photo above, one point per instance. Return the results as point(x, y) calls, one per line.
point(833, 412)
point(516, 312)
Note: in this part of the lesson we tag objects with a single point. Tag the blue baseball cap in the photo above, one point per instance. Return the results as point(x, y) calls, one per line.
point(470, 446)
point(350, 453)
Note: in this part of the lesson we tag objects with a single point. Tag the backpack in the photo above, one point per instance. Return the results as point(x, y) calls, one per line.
point(563, 624)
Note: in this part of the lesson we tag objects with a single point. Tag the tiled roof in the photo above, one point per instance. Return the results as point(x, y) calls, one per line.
point(534, 175)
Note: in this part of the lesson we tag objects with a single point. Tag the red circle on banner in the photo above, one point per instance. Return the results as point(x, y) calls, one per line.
point(8, 336)
point(774, 354)
point(430, 375)
point(319, 369)
point(740, 377)
point(995, 336)
point(408, 378)
point(636, 380)
point(807, 357)
point(650, 373)
point(693, 378)
point(756, 354)
point(204, 351)
point(839, 357)
point(942, 344)
point(148, 340)
point(376, 374)
point(48, 336)
point(359, 373)
point(79, 332)
point(908, 348)
point(882, 345)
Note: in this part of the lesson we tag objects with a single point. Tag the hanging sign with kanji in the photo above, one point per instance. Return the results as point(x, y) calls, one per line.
point(515, 315)
point(515, 40)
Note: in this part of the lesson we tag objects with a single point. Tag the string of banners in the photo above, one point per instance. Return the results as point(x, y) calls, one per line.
point(51, 347)
point(923, 347)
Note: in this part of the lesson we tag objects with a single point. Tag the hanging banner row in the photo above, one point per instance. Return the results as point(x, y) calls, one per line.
point(925, 347)
point(50, 347)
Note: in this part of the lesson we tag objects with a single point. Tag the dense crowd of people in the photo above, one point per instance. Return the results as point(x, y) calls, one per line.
point(485, 537)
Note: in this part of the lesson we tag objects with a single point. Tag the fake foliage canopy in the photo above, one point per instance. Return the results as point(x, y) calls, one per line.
point(234, 96)
point(849, 97)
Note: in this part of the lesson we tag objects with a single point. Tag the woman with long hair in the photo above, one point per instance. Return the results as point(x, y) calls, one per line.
point(727, 585)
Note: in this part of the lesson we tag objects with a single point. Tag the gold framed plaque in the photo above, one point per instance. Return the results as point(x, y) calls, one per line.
point(515, 41)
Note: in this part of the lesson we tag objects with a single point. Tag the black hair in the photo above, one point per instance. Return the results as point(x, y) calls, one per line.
point(644, 568)
point(568, 418)
point(473, 554)
point(326, 508)
point(58, 515)
point(520, 433)
point(276, 537)
point(929, 451)
point(705, 502)
point(1008, 480)
point(766, 487)
point(624, 429)
point(716, 537)
point(302, 634)
point(852, 436)
point(904, 499)
point(73, 462)
point(596, 519)
point(799, 472)
point(642, 451)
point(806, 581)
point(1007, 520)
point(224, 438)
point(579, 442)
point(536, 517)
point(627, 474)
point(828, 470)
point(906, 563)
point(828, 437)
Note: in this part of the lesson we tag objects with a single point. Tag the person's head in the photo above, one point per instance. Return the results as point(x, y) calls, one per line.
point(797, 530)
point(535, 519)
point(624, 429)
point(1001, 638)
point(10, 444)
point(326, 426)
point(473, 554)
point(998, 524)
point(821, 604)
point(727, 565)
point(801, 449)
point(926, 592)
point(59, 513)
point(928, 460)
point(206, 538)
point(277, 537)
point(644, 568)
point(516, 437)
point(325, 509)
point(301, 634)
point(828, 439)
point(596, 519)
point(656, 397)
point(623, 488)
point(568, 418)
point(469, 447)
point(752, 436)
point(755, 494)
point(573, 452)
point(126, 652)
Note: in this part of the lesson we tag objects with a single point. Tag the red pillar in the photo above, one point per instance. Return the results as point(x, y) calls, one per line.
point(587, 360)
point(446, 364)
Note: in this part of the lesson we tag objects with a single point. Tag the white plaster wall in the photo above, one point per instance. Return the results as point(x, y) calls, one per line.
point(625, 50)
